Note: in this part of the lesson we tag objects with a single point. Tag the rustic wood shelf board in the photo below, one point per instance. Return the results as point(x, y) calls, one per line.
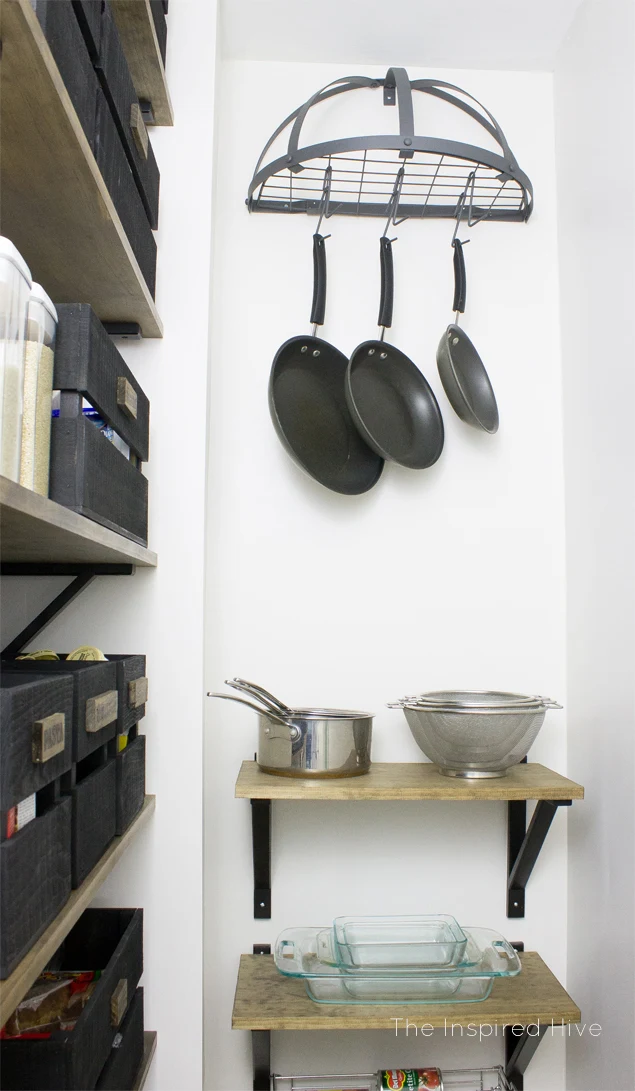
point(265, 1000)
point(55, 204)
point(14, 987)
point(408, 781)
point(139, 40)
point(36, 529)
point(149, 1049)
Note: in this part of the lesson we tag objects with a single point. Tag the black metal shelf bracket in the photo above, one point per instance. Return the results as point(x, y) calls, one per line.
point(524, 845)
point(261, 1039)
point(261, 841)
point(520, 1045)
point(83, 573)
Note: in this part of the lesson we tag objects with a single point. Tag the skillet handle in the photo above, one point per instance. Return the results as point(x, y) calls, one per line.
point(460, 278)
point(387, 283)
point(319, 281)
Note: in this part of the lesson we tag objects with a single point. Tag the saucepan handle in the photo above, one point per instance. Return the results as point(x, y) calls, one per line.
point(460, 278)
point(261, 711)
point(319, 281)
point(387, 283)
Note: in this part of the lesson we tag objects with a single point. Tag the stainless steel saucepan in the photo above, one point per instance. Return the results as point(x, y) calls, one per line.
point(306, 742)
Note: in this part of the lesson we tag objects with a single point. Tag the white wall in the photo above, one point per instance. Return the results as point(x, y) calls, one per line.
point(595, 126)
point(451, 576)
point(161, 612)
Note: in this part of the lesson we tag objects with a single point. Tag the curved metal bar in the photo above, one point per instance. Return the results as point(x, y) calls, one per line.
point(397, 79)
point(434, 87)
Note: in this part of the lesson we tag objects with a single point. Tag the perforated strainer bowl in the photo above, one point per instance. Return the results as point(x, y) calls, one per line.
point(475, 734)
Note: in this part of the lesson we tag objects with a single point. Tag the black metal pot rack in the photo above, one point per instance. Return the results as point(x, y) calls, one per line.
point(363, 168)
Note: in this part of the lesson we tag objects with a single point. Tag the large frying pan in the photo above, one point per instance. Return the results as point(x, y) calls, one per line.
point(461, 369)
point(308, 404)
point(390, 401)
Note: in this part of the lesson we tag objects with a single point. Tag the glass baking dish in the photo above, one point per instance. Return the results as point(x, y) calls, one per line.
point(412, 942)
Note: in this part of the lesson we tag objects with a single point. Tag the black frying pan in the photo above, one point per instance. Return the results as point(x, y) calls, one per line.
point(308, 404)
point(462, 372)
point(390, 401)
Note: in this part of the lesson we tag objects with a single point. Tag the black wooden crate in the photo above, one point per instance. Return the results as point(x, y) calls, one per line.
point(120, 1070)
point(95, 698)
point(160, 25)
point(131, 781)
point(89, 475)
point(36, 714)
point(94, 797)
point(117, 85)
point(117, 173)
point(35, 882)
point(133, 689)
point(66, 42)
point(110, 940)
point(88, 14)
point(87, 361)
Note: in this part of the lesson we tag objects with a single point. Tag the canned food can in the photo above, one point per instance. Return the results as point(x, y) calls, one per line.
point(412, 1079)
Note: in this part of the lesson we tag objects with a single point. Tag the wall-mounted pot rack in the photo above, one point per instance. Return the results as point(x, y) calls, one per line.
point(362, 169)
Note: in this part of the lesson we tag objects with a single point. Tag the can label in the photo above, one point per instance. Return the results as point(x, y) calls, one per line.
point(411, 1079)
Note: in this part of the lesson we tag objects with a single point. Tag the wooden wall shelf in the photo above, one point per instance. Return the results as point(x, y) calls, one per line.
point(14, 987)
point(139, 40)
point(55, 204)
point(408, 782)
point(34, 529)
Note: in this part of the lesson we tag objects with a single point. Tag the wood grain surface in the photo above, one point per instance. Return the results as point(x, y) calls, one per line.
point(408, 781)
point(265, 1000)
point(141, 46)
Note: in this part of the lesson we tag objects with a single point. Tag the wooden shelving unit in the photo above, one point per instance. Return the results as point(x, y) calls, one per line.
point(139, 41)
point(408, 781)
point(55, 205)
point(266, 1000)
point(34, 529)
point(149, 1048)
point(14, 987)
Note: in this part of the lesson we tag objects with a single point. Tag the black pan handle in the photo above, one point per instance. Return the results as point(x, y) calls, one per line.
point(319, 281)
point(387, 283)
point(460, 279)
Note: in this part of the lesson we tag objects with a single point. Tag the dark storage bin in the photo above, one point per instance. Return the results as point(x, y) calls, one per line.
point(36, 714)
point(94, 797)
point(95, 698)
point(117, 85)
point(35, 882)
point(88, 14)
point(87, 361)
point(160, 25)
point(131, 781)
point(121, 184)
point(132, 685)
point(120, 1070)
point(66, 42)
point(110, 940)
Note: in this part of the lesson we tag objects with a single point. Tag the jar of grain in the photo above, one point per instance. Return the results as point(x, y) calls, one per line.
point(15, 286)
point(38, 392)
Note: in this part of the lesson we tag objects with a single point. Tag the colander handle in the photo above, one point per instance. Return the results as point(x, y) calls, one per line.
point(547, 701)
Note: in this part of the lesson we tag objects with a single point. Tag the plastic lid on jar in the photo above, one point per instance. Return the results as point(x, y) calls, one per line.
point(42, 321)
point(10, 253)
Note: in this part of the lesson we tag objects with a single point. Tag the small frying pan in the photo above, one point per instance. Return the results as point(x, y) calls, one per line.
point(308, 404)
point(390, 401)
point(462, 372)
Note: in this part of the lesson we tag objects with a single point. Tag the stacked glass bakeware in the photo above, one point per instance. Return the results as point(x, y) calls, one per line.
point(395, 960)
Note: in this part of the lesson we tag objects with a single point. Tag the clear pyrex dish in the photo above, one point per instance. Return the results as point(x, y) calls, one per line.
point(409, 942)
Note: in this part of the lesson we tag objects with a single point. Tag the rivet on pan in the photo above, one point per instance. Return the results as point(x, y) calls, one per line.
point(383, 355)
point(316, 352)
point(455, 340)
point(303, 349)
point(371, 352)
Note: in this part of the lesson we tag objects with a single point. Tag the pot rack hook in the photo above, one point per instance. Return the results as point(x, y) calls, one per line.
point(460, 205)
point(323, 208)
point(393, 203)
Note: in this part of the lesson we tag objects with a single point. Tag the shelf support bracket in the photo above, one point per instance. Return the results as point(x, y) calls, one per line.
point(524, 845)
point(261, 841)
point(520, 1045)
point(261, 1039)
point(83, 573)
